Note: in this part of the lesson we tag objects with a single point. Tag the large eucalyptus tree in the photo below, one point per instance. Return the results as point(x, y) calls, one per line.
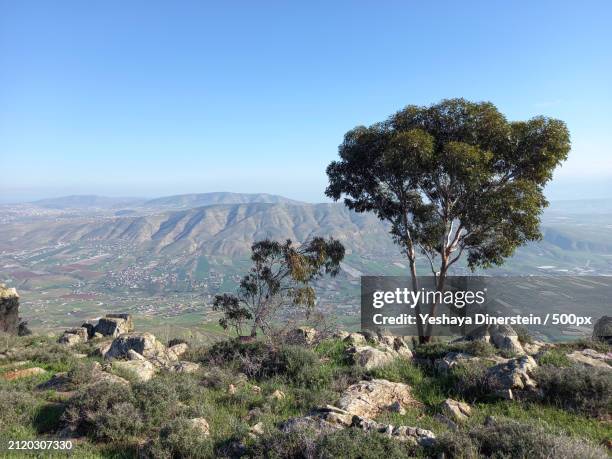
point(455, 178)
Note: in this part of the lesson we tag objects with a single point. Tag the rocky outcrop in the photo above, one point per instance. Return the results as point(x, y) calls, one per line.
point(591, 358)
point(413, 435)
point(514, 374)
point(144, 344)
point(184, 367)
point(9, 310)
point(602, 331)
point(370, 398)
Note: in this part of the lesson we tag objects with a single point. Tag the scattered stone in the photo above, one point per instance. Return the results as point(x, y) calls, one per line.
point(102, 348)
point(256, 389)
point(602, 331)
point(514, 374)
point(455, 410)
point(231, 389)
point(369, 357)
point(412, 435)
point(302, 335)
point(453, 359)
point(257, 430)
point(369, 398)
point(535, 347)
point(25, 373)
point(200, 424)
point(143, 370)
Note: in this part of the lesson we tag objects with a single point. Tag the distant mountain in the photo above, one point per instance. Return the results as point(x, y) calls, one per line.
point(188, 201)
point(87, 202)
point(224, 229)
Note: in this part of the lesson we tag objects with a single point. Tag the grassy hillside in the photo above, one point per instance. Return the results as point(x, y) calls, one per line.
point(262, 400)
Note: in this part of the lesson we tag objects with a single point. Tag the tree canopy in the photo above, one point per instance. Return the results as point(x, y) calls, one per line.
point(452, 178)
point(280, 276)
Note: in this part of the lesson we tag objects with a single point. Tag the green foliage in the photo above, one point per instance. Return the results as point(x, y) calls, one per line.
point(299, 365)
point(180, 439)
point(508, 438)
point(455, 177)
point(523, 335)
point(346, 443)
point(104, 410)
point(157, 401)
point(279, 277)
point(583, 390)
point(555, 358)
point(469, 381)
point(437, 350)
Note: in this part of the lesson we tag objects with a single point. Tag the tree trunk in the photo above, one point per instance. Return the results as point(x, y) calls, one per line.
point(417, 309)
point(439, 288)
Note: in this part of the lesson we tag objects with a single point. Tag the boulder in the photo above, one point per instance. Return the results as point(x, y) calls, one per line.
point(591, 358)
point(456, 410)
point(143, 343)
point(369, 357)
point(115, 325)
point(201, 425)
point(179, 349)
point(514, 374)
point(142, 370)
point(602, 331)
point(369, 398)
point(74, 336)
point(9, 310)
point(302, 335)
point(390, 348)
point(24, 373)
point(453, 359)
point(505, 338)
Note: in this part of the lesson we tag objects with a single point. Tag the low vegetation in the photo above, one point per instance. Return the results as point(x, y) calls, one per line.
point(242, 386)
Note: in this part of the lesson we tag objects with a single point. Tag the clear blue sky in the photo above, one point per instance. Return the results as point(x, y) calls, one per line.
point(161, 97)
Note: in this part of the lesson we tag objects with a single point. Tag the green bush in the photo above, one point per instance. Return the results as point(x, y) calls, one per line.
point(554, 358)
point(469, 381)
point(582, 390)
point(346, 443)
point(299, 365)
point(508, 438)
point(454, 445)
point(246, 357)
point(180, 439)
point(157, 401)
point(16, 407)
point(523, 334)
point(437, 350)
point(98, 408)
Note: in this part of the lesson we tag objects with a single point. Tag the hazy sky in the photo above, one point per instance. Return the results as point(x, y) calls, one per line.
point(162, 97)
